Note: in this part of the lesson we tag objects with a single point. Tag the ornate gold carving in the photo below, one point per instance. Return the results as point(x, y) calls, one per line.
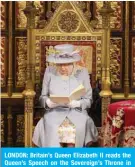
point(14, 96)
point(120, 96)
point(29, 104)
point(70, 11)
point(82, 29)
point(3, 15)
point(133, 15)
point(2, 128)
point(98, 5)
point(115, 62)
point(85, 8)
point(40, 13)
point(3, 56)
point(30, 11)
point(20, 129)
point(54, 28)
point(68, 21)
point(133, 62)
point(21, 60)
point(81, 5)
point(37, 60)
point(116, 19)
point(105, 104)
point(21, 20)
point(106, 93)
point(49, 12)
point(56, 4)
point(29, 95)
point(98, 58)
point(9, 118)
point(106, 12)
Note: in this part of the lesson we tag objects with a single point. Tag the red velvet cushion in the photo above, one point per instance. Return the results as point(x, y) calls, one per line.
point(129, 111)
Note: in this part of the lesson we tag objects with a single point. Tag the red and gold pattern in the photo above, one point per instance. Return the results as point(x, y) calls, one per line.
point(133, 62)
point(3, 15)
point(119, 126)
point(20, 129)
point(116, 62)
point(133, 16)
point(116, 19)
point(3, 58)
point(21, 19)
point(21, 58)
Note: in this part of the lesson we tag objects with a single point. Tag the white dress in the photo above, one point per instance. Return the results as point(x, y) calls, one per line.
point(46, 131)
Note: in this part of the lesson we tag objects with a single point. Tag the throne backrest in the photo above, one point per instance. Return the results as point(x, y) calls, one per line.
point(68, 25)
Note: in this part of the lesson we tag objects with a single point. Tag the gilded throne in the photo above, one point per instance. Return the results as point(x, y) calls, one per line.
point(67, 25)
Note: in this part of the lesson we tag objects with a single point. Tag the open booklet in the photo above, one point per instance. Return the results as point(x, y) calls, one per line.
point(75, 95)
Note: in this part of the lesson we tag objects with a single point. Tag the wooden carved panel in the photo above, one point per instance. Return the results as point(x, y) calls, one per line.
point(133, 63)
point(133, 15)
point(116, 19)
point(2, 128)
point(20, 129)
point(3, 15)
point(21, 58)
point(3, 60)
point(116, 62)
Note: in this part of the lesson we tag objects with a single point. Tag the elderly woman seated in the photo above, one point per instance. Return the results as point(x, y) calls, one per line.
point(65, 124)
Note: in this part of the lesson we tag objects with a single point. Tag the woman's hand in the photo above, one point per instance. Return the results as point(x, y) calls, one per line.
point(74, 104)
point(51, 104)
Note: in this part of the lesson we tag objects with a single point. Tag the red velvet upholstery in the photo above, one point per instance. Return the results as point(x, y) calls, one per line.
point(119, 126)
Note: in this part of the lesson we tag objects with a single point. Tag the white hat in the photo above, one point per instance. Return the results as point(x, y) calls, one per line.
point(64, 53)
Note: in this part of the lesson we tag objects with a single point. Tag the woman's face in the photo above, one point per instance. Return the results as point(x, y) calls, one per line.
point(65, 69)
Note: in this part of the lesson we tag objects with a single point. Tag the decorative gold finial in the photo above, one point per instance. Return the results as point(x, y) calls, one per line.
point(30, 11)
point(106, 11)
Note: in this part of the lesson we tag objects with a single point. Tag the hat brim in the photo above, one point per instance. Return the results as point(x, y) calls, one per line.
point(60, 60)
